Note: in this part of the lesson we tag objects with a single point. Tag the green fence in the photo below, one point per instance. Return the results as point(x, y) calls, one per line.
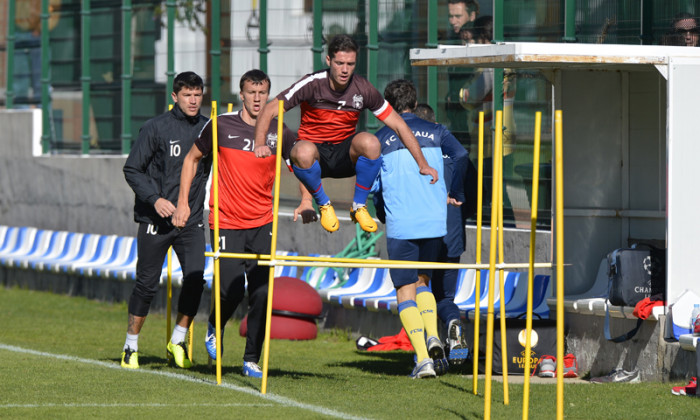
point(94, 67)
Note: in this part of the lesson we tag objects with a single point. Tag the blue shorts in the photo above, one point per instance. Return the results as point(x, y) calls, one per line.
point(411, 250)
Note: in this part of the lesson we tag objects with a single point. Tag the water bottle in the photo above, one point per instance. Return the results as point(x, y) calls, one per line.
point(695, 320)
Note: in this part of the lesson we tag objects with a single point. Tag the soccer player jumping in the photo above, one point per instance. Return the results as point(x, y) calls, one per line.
point(329, 145)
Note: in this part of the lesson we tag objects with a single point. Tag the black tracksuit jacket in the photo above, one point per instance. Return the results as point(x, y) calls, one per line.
point(153, 167)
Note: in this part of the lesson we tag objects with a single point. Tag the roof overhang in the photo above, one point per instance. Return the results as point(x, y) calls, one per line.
point(549, 56)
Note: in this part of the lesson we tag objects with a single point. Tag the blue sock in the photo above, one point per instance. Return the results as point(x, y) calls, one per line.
point(367, 171)
point(311, 178)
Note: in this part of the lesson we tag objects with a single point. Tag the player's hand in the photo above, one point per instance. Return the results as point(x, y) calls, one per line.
point(306, 211)
point(182, 213)
point(164, 208)
point(262, 151)
point(451, 201)
point(430, 172)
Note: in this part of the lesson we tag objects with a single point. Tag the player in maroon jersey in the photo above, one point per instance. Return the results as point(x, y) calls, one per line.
point(329, 145)
point(245, 210)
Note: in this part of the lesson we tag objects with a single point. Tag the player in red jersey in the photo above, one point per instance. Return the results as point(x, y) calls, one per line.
point(245, 210)
point(329, 145)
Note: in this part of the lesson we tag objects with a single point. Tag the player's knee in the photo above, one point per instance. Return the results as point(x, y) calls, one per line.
point(367, 145)
point(145, 291)
point(303, 154)
point(259, 295)
point(193, 282)
point(139, 304)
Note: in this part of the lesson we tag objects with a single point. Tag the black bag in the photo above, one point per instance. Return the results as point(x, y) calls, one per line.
point(545, 343)
point(635, 273)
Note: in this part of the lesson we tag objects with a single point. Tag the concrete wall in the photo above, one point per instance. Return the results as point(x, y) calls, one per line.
point(59, 192)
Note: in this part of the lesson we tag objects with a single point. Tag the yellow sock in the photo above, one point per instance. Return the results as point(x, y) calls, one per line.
point(413, 324)
point(428, 310)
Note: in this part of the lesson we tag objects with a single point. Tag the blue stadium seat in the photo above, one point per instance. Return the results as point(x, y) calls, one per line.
point(39, 246)
point(80, 247)
point(3, 233)
point(23, 242)
point(466, 291)
point(510, 283)
point(51, 249)
point(517, 304)
point(97, 254)
point(541, 290)
point(62, 247)
point(387, 302)
point(125, 259)
point(320, 277)
point(108, 255)
point(353, 282)
point(9, 239)
point(380, 285)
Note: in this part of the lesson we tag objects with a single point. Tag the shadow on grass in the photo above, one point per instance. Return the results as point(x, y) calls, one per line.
point(145, 361)
point(384, 363)
point(461, 388)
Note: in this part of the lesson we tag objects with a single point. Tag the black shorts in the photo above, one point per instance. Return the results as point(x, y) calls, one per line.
point(234, 271)
point(335, 159)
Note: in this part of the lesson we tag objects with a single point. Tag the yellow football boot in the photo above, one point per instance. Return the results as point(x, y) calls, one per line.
point(130, 359)
point(361, 216)
point(179, 354)
point(329, 221)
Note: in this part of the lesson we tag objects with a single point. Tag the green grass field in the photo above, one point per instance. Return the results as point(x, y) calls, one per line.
point(60, 359)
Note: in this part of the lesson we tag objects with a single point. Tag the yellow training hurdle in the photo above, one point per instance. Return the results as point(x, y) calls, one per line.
point(496, 240)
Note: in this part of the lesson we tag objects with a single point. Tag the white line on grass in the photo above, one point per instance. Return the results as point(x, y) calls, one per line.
point(140, 405)
point(270, 397)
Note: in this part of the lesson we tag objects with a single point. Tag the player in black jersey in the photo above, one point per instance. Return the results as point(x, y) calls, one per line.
point(152, 170)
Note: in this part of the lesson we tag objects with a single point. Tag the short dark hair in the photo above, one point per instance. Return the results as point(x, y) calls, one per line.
point(401, 94)
point(469, 5)
point(255, 76)
point(188, 79)
point(425, 111)
point(341, 43)
point(482, 32)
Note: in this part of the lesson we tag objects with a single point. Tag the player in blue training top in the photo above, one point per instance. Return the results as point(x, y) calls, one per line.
point(415, 215)
point(444, 282)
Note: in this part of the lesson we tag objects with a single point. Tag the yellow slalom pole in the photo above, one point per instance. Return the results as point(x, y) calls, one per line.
point(168, 308)
point(501, 279)
point(477, 285)
point(559, 175)
point(169, 277)
point(273, 247)
point(492, 263)
point(190, 339)
point(215, 245)
point(230, 107)
point(530, 274)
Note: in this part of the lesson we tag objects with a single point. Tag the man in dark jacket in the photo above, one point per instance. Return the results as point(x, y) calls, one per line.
point(152, 170)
